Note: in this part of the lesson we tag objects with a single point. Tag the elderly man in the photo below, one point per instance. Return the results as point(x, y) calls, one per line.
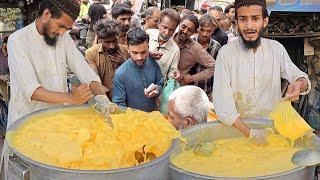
point(188, 105)
point(192, 52)
point(122, 13)
point(152, 18)
point(248, 83)
point(138, 82)
point(104, 58)
point(162, 47)
point(218, 34)
point(207, 25)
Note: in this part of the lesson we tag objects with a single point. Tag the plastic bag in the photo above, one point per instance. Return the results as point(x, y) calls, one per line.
point(288, 122)
point(168, 89)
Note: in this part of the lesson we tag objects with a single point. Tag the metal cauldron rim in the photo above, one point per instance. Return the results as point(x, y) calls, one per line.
point(196, 175)
point(23, 119)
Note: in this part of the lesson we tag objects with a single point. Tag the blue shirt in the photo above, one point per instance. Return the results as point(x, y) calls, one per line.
point(130, 80)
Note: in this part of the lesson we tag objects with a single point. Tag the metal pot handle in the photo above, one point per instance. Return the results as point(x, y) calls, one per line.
point(18, 168)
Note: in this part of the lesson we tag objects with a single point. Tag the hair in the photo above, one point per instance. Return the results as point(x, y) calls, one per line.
point(207, 19)
point(120, 9)
point(46, 4)
point(227, 9)
point(70, 7)
point(217, 8)
point(170, 13)
point(128, 2)
point(5, 40)
point(106, 28)
point(150, 11)
point(190, 101)
point(193, 19)
point(136, 36)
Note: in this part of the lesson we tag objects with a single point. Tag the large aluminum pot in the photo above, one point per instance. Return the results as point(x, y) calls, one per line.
point(22, 167)
point(217, 130)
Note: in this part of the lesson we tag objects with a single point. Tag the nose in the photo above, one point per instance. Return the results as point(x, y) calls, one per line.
point(166, 32)
point(111, 46)
point(249, 24)
point(127, 22)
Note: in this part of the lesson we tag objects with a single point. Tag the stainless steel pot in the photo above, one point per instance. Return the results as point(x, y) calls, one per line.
point(22, 167)
point(217, 130)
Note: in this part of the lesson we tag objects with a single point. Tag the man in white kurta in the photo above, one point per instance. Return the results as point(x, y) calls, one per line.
point(248, 84)
point(249, 70)
point(33, 63)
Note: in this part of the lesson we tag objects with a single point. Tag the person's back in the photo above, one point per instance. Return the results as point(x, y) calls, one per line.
point(96, 12)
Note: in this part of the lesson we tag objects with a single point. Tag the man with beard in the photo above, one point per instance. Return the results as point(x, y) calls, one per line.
point(38, 57)
point(218, 34)
point(138, 81)
point(122, 14)
point(192, 52)
point(249, 71)
point(162, 47)
point(104, 58)
point(207, 25)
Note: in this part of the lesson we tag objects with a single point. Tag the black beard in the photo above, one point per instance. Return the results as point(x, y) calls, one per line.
point(49, 40)
point(124, 28)
point(252, 44)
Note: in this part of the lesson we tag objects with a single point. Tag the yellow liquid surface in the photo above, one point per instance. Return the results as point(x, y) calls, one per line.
point(237, 157)
point(81, 139)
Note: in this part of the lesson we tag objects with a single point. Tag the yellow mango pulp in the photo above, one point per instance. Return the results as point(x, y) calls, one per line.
point(288, 122)
point(238, 157)
point(81, 139)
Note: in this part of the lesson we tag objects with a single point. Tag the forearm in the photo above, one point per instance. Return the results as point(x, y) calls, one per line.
point(242, 127)
point(44, 95)
point(203, 75)
point(97, 88)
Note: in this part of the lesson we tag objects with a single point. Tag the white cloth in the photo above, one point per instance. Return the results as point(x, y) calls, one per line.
point(171, 53)
point(33, 63)
point(247, 84)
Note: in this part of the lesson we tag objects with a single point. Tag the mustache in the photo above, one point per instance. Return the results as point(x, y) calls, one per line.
point(250, 31)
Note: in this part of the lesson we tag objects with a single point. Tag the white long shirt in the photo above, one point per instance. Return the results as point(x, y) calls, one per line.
point(33, 63)
point(248, 84)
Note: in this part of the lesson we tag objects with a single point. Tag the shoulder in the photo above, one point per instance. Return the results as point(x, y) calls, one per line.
point(21, 34)
point(153, 33)
point(122, 69)
point(173, 46)
point(123, 48)
point(93, 49)
point(272, 43)
point(230, 47)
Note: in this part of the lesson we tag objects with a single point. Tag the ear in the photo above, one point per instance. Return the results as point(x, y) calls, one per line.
point(46, 15)
point(191, 121)
point(265, 21)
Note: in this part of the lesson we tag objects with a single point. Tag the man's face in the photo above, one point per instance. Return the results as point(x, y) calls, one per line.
point(139, 53)
point(53, 28)
point(231, 13)
point(124, 21)
point(187, 28)
point(217, 15)
point(110, 45)
point(251, 24)
point(176, 120)
point(205, 32)
point(153, 20)
point(167, 28)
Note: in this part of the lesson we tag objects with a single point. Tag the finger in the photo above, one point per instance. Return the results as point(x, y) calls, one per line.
point(289, 90)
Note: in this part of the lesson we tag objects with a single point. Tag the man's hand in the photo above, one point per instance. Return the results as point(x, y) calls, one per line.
point(259, 136)
point(117, 57)
point(155, 54)
point(81, 94)
point(151, 93)
point(104, 105)
point(293, 91)
point(176, 75)
point(187, 79)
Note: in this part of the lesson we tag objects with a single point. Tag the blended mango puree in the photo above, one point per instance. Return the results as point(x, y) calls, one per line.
point(238, 157)
point(81, 139)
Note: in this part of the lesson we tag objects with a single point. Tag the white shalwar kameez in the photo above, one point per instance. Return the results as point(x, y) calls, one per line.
point(248, 84)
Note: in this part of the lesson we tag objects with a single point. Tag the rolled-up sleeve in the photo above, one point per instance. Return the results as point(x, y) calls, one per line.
point(21, 68)
point(224, 102)
point(290, 71)
point(78, 64)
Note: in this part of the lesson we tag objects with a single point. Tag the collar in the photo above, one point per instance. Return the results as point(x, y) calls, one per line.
point(35, 30)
